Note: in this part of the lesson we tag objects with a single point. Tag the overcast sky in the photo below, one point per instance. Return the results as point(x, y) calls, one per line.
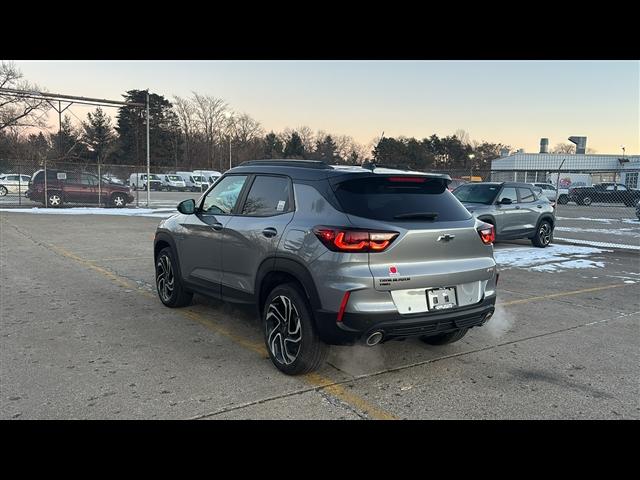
point(513, 102)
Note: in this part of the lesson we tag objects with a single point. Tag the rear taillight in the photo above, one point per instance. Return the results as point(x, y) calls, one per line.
point(349, 240)
point(487, 233)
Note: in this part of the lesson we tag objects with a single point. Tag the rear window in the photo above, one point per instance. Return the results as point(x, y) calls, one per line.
point(393, 199)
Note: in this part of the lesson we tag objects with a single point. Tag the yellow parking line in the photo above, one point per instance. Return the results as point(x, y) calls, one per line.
point(564, 294)
point(340, 392)
point(314, 379)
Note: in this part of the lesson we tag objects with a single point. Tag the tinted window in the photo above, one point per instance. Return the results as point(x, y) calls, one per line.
point(387, 198)
point(510, 193)
point(87, 179)
point(223, 197)
point(476, 193)
point(268, 196)
point(526, 195)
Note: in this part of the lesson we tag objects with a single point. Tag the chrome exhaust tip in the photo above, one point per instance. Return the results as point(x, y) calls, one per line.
point(374, 338)
point(487, 317)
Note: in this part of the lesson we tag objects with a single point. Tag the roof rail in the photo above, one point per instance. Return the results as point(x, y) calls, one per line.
point(286, 162)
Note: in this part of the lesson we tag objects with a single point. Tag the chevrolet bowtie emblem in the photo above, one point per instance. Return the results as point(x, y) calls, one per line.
point(446, 238)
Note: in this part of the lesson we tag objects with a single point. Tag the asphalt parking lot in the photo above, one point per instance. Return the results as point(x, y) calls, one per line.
point(83, 335)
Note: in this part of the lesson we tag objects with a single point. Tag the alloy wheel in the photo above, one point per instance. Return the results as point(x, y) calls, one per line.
point(545, 234)
point(118, 201)
point(3, 191)
point(164, 278)
point(55, 200)
point(284, 331)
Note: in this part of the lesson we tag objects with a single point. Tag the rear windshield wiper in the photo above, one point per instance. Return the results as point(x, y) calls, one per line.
point(425, 215)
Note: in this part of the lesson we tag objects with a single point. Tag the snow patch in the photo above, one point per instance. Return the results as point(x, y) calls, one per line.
point(554, 258)
point(632, 232)
point(127, 212)
point(622, 246)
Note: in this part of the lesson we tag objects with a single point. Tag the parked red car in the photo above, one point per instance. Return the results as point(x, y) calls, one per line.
point(73, 187)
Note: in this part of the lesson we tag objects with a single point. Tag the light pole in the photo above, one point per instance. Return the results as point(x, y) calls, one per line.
point(229, 117)
point(471, 157)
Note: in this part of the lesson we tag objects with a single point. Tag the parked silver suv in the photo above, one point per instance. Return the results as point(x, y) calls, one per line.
point(516, 210)
point(331, 255)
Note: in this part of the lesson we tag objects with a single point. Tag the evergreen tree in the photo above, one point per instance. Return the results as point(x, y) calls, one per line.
point(273, 147)
point(131, 128)
point(326, 150)
point(66, 142)
point(98, 135)
point(294, 147)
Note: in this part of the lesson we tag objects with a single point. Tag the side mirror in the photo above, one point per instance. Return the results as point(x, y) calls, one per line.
point(505, 201)
point(187, 207)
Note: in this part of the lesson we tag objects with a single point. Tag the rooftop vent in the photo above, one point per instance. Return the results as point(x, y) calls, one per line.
point(581, 144)
point(544, 145)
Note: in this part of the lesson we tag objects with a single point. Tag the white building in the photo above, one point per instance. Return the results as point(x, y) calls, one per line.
point(537, 167)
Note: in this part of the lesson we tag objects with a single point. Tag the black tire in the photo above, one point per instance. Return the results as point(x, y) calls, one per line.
point(311, 352)
point(445, 338)
point(563, 199)
point(118, 200)
point(543, 236)
point(55, 199)
point(176, 296)
point(3, 191)
point(586, 201)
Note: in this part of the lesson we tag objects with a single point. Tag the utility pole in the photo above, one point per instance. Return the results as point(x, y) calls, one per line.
point(148, 157)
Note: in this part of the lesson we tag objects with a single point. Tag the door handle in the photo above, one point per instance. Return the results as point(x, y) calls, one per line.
point(517, 207)
point(539, 206)
point(269, 232)
point(217, 226)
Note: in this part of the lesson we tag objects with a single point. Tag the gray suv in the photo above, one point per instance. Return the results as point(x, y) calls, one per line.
point(331, 255)
point(516, 210)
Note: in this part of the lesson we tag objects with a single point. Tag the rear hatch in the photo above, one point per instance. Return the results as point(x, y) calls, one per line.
point(438, 244)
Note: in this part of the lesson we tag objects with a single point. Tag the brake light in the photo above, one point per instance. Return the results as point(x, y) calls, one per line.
point(487, 234)
point(346, 240)
point(407, 179)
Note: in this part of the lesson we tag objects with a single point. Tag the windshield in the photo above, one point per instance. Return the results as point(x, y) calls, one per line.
point(174, 178)
point(154, 177)
point(476, 193)
point(198, 178)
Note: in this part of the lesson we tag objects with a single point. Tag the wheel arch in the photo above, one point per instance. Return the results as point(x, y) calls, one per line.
point(163, 240)
point(274, 271)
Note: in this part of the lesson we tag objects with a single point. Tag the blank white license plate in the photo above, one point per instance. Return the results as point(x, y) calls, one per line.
point(441, 298)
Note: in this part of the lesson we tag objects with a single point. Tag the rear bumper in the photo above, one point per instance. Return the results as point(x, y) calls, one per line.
point(355, 326)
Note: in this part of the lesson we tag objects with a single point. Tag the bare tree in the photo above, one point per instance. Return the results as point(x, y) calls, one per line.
point(19, 111)
point(564, 148)
point(463, 136)
point(185, 111)
point(246, 129)
point(210, 115)
point(308, 138)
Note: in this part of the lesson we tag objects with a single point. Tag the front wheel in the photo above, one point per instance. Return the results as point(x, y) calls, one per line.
point(168, 284)
point(563, 199)
point(3, 191)
point(290, 335)
point(543, 236)
point(445, 338)
point(586, 201)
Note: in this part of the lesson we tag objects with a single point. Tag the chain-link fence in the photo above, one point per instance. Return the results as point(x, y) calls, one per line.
point(56, 183)
point(595, 196)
